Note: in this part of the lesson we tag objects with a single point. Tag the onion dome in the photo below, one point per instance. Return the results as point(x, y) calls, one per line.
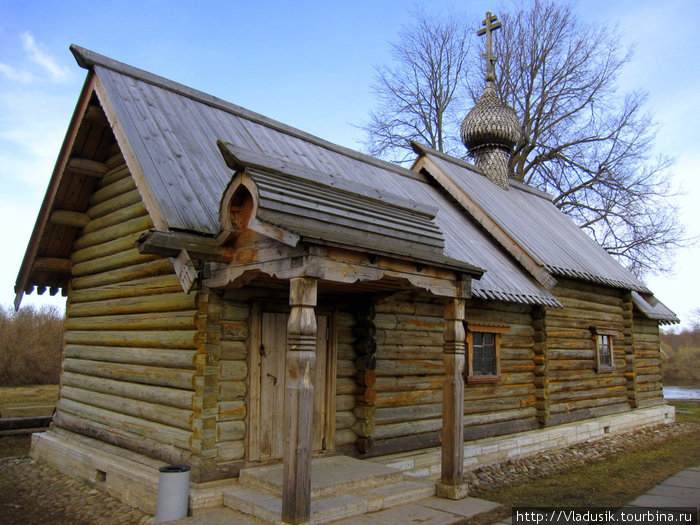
point(490, 122)
point(491, 129)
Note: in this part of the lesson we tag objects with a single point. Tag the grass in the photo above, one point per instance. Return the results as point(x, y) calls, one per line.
point(35, 400)
point(609, 483)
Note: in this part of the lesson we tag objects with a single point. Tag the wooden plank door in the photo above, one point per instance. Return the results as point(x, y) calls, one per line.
point(272, 380)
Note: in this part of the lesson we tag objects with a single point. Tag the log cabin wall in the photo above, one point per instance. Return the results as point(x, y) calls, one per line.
point(130, 334)
point(508, 405)
point(234, 333)
point(405, 405)
point(575, 388)
point(647, 356)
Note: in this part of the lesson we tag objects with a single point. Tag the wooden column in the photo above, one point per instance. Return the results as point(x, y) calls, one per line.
point(299, 401)
point(451, 480)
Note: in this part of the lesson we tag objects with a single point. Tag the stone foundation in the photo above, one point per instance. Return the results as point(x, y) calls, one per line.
point(133, 478)
point(487, 451)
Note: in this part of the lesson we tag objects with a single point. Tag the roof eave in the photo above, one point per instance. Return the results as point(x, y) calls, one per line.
point(30, 254)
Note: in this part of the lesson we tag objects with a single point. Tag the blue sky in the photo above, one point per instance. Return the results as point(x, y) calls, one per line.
point(308, 64)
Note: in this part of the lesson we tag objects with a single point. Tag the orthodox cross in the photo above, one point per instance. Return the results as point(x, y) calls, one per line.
point(491, 24)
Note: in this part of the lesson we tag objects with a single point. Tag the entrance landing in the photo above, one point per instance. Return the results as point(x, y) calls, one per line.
point(341, 487)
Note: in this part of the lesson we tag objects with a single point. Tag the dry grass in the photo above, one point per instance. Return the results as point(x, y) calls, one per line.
point(30, 346)
point(609, 483)
point(25, 401)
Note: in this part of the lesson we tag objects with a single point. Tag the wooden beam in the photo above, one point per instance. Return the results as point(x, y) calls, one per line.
point(95, 114)
point(451, 479)
point(74, 219)
point(52, 264)
point(88, 167)
point(299, 401)
point(170, 244)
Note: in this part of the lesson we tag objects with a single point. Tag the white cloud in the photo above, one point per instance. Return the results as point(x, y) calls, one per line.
point(39, 56)
point(15, 75)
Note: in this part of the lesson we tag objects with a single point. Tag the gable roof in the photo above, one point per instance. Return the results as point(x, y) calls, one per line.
point(528, 218)
point(168, 134)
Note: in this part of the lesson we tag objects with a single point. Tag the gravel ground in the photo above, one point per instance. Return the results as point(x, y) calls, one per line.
point(33, 493)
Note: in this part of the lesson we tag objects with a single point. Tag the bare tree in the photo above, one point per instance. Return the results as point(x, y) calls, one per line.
point(421, 95)
point(582, 141)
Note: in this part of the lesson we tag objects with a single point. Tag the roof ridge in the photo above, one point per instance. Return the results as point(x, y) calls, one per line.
point(88, 59)
point(422, 149)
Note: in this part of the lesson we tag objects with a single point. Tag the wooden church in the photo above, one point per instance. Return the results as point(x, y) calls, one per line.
point(241, 293)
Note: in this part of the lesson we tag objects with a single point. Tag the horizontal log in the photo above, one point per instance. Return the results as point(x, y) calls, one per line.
point(576, 395)
point(346, 368)
point(414, 338)
point(70, 218)
point(414, 397)
point(587, 384)
point(344, 419)
point(155, 268)
point(597, 295)
point(116, 231)
point(235, 311)
point(409, 367)
point(585, 404)
point(147, 446)
point(346, 385)
point(403, 414)
point(121, 422)
point(116, 172)
point(344, 437)
point(230, 450)
point(111, 248)
point(133, 355)
point(592, 306)
point(476, 392)
point(500, 404)
point(176, 339)
point(153, 412)
point(407, 429)
point(233, 350)
point(89, 167)
point(233, 370)
point(344, 403)
point(116, 188)
point(148, 321)
point(52, 264)
point(230, 431)
point(132, 305)
point(103, 216)
point(232, 411)
point(405, 383)
point(234, 330)
point(149, 375)
point(232, 390)
point(499, 417)
point(172, 397)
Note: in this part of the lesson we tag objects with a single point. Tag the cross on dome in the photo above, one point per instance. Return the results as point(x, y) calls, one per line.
point(491, 23)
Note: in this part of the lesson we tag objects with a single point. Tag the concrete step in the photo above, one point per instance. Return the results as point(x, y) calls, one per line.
point(341, 488)
point(268, 507)
point(388, 496)
point(329, 476)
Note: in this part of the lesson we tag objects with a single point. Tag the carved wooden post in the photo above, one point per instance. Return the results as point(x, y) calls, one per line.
point(299, 401)
point(451, 480)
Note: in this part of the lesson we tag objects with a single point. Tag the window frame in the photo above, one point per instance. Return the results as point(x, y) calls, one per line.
point(497, 330)
point(600, 334)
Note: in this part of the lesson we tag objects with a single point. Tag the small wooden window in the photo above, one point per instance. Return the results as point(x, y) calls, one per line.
point(604, 348)
point(484, 353)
